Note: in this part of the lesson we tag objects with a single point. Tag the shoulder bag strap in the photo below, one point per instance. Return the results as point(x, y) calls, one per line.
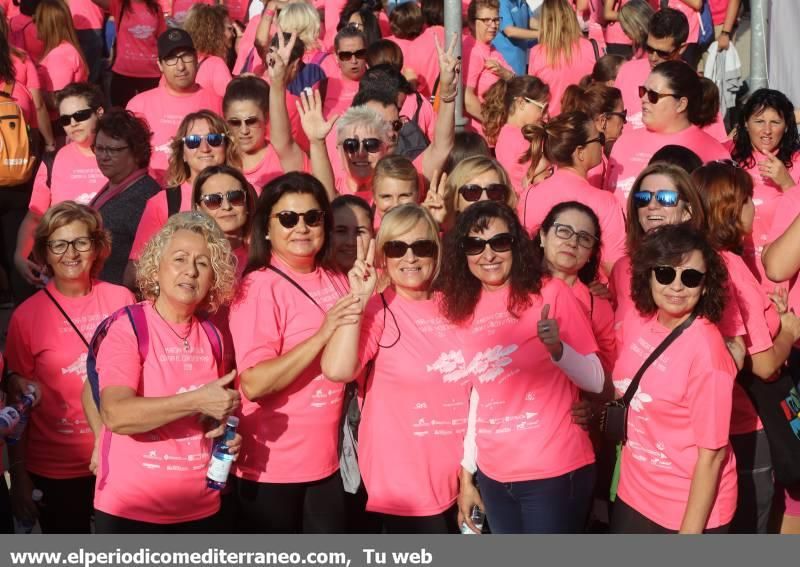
point(419, 107)
point(216, 343)
point(295, 284)
point(173, 200)
point(67, 317)
point(676, 332)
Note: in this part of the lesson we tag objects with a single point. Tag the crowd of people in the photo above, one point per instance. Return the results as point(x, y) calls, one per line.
point(266, 210)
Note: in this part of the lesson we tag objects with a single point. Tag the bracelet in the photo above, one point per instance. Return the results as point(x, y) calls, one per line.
point(723, 32)
point(268, 12)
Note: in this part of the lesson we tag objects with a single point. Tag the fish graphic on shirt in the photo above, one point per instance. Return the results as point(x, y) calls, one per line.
point(78, 367)
point(142, 31)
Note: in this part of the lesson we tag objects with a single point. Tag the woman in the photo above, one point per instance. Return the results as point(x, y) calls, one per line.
point(150, 406)
point(490, 280)
point(677, 470)
point(483, 64)
point(509, 106)
point(122, 147)
point(562, 55)
point(395, 182)
point(62, 62)
point(766, 144)
point(288, 473)
point(572, 142)
point(411, 479)
point(134, 67)
point(407, 23)
point(426, 70)
point(626, 31)
point(361, 15)
point(352, 228)
point(56, 448)
point(362, 138)
point(604, 105)
point(73, 175)
point(671, 109)
point(605, 71)
point(212, 34)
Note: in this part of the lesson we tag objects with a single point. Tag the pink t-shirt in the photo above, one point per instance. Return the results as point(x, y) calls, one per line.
point(613, 31)
point(62, 66)
point(719, 8)
point(427, 117)
point(237, 9)
point(717, 130)
point(565, 185)
point(525, 399)
point(246, 48)
point(158, 476)
point(619, 285)
point(26, 77)
point(333, 9)
point(24, 36)
point(75, 177)
point(269, 168)
point(474, 57)
point(164, 112)
point(291, 435)
point(414, 420)
point(510, 147)
point(597, 175)
point(86, 15)
point(58, 439)
point(563, 73)
point(155, 216)
point(422, 58)
point(683, 403)
point(692, 15)
point(10, 9)
point(339, 95)
point(600, 314)
point(633, 150)
point(630, 77)
point(784, 217)
point(213, 74)
point(137, 53)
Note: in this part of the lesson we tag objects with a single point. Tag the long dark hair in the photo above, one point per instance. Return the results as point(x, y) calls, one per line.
point(460, 289)
point(152, 7)
point(260, 253)
point(588, 273)
point(757, 103)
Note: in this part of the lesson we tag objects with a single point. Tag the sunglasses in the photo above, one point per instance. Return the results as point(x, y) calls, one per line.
point(660, 52)
point(348, 55)
point(473, 245)
point(601, 139)
point(494, 192)
point(370, 145)
point(193, 141)
point(542, 105)
point(213, 201)
point(690, 277)
point(664, 197)
point(623, 115)
point(420, 248)
point(289, 219)
point(566, 232)
point(653, 96)
point(237, 122)
point(81, 116)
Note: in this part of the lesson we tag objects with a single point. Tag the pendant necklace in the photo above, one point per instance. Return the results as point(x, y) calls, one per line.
point(174, 332)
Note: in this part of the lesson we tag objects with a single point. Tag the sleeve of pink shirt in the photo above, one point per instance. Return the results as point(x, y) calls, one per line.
point(153, 218)
point(709, 392)
point(40, 196)
point(118, 361)
point(753, 306)
point(254, 324)
point(574, 327)
point(32, 80)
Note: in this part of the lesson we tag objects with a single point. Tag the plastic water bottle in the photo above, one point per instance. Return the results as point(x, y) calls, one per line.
point(221, 460)
point(9, 417)
point(477, 516)
point(25, 526)
point(23, 409)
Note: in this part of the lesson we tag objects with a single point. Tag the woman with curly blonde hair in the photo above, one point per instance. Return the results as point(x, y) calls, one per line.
point(149, 404)
point(213, 35)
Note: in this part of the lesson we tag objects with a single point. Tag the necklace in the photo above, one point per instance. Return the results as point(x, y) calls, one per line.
point(174, 332)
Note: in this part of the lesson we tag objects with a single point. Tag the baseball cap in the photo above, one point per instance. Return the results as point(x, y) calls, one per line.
point(172, 40)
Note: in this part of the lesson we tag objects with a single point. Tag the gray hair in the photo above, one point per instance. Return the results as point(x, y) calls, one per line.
point(364, 117)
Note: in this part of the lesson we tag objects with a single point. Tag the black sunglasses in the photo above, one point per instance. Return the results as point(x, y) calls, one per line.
point(494, 192)
point(660, 52)
point(690, 277)
point(81, 116)
point(289, 219)
point(370, 145)
point(237, 122)
point(473, 245)
point(601, 138)
point(664, 197)
point(348, 55)
point(420, 248)
point(623, 115)
point(213, 201)
point(193, 141)
point(654, 96)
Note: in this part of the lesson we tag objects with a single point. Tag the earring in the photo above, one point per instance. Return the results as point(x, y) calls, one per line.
point(266, 237)
point(157, 290)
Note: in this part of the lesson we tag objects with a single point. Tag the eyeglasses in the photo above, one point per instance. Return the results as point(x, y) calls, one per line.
point(172, 60)
point(213, 201)
point(601, 138)
point(59, 247)
point(542, 105)
point(193, 141)
point(110, 151)
point(289, 219)
point(473, 245)
point(690, 277)
point(420, 248)
point(250, 121)
point(487, 21)
point(79, 116)
point(660, 52)
point(494, 192)
point(623, 115)
point(348, 55)
point(566, 232)
point(653, 96)
point(370, 145)
point(664, 197)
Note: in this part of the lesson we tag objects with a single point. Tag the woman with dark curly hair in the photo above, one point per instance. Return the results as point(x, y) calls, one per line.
point(677, 469)
point(527, 350)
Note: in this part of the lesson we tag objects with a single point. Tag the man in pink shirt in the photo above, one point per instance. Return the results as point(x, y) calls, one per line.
point(178, 95)
point(350, 47)
point(666, 40)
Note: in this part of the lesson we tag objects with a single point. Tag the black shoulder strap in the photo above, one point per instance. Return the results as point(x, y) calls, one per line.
point(173, 200)
point(676, 332)
point(596, 48)
point(419, 107)
point(67, 317)
point(295, 284)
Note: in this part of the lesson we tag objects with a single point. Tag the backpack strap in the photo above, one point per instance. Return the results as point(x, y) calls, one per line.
point(596, 48)
point(173, 200)
point(216, 343)
point(419, 107)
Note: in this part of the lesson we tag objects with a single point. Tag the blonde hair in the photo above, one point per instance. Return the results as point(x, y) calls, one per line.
point(560, 31)
point(223, 262)
point(206, 25)
point(469, 169)
point(301, 19)
point(402, 219)
point(177, 169)
point(394, 166)
point(54, 26)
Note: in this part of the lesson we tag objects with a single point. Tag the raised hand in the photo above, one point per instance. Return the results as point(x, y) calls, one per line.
point(434, 200)
point(547, 330)
point(363, 276)
point(278, 59)
point(773, 169)
point(449, 67)
point(310, 109)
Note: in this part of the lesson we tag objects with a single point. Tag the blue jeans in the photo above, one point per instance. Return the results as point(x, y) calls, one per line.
point(558, 505)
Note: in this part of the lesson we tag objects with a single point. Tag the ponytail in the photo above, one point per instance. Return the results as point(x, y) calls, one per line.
point(536, 135)
point(494, 110)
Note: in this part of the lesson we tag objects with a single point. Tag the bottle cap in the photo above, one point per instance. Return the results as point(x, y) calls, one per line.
point(37, 495)
point(233, 421)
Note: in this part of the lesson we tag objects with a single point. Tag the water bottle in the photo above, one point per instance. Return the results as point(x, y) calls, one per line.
point(221, 460)
point(9, 417)
point(23, 408)
point(477, 516)
point(25, 526)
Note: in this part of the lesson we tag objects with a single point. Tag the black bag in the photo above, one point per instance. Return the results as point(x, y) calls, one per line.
point(411, 140)
point(778, 406)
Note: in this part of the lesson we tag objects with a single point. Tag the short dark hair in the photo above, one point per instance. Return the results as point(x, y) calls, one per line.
point(374, 94)
point(433, 12)
point(385, 52)
point(87, 91)
point(681, 156)
point(406, 20)
point(248, 88)
point(588, 273)
point(122, 124)
point(667, 246)
point(386, 77)
point(670, 23)
point(466, 145)
point(353, 201)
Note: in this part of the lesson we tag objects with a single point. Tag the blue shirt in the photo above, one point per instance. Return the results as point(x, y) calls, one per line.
point(515, 51)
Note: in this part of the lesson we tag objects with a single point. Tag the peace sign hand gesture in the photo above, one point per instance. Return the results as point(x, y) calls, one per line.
point(449, 67)
point(434, 200)
point(309, 107)
point(363, 276)
point(547, 329)
point(278, 59)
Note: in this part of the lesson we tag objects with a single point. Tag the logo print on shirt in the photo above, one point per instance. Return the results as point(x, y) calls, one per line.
point(78, 367)
point(142, 31)
point(486, 365)
point(639, 398)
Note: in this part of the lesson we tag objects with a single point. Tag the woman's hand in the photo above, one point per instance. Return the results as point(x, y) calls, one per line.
point(94, 462)
point(362, 276)
point(496, 69)
point(19, 385)
point(22, 504)
point(278, 60)
point(791, 323)
point(346, 311)
point(310, 109)
point(29, 270)
point(434, 200)
point(449, 68)
point(468, 496)
point(599, 289)
point(773, 169)
point(582, 413)
point(547, 330)
point(234, 446)
point(217, 400)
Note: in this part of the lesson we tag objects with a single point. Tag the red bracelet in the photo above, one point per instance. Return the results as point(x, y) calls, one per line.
point(270, 13)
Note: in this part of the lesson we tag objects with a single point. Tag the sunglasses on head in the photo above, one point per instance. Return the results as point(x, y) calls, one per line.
point(348, 55)
point(237, 122)
point(370, 145)
point(193, 141)
point(664, 197)
point(690, 277)
point(80, 116)
point(494, 192)
point(289, 219)
point(213, 201)
point(654, 96)
point(420, 248)
point(473, 245)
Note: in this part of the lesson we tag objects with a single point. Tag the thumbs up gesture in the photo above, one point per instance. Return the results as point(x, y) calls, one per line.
point(217, 399)
point(547, 330)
